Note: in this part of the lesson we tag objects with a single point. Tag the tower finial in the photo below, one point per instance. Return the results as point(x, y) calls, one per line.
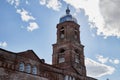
point(68, 10)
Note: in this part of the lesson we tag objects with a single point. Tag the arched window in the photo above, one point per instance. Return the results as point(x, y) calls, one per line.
point(21, 66)
point(66, 77)
point(28, 68)
point(76, 33)
point(61, 59)
point(61, 55)
point(34, 70)
point(62, 33)
point(77, 51)
point(73, 78)
point(62, 50)
point(69, 78)
point(77, 58)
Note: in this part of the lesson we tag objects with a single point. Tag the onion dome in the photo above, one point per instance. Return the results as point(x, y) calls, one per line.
point(67, 17)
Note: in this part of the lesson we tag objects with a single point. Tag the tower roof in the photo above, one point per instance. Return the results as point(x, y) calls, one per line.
point(67, 17)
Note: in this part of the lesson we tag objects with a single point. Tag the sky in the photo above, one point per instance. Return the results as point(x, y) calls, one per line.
point(31, 25)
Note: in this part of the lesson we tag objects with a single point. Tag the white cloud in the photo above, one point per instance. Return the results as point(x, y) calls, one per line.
point(25, 15)
point(3, 44)
point(54, 4)
point(95, 69)
point(103, 15)
point(42, 2)
point(110, 12)
point(32, 26)
point(114, 61)
point(14, 2)
point(102, 59)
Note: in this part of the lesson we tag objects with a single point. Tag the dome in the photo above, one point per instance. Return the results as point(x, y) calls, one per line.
point(67, 17)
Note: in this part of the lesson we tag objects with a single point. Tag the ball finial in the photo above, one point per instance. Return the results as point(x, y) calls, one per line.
point(67, 10)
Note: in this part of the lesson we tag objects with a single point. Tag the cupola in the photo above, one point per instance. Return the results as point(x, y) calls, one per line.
point(67, 17)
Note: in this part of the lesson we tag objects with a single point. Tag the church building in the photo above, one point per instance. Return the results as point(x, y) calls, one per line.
point(68, 60)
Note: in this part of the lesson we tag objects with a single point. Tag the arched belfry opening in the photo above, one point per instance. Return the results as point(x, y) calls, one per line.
point(62, 33)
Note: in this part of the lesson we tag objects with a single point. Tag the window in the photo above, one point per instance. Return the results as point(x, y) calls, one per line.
point(73, 78)
point(62, 32)
point(34, 70)
point(21, 66)
point(76, 32)
point(61, 55)
point(66, 77)
point(61, 60)
point(69, 78)
point(62, 50)
point(62, 36)
point(28, 68)
point(77, 51)
point(76, 58)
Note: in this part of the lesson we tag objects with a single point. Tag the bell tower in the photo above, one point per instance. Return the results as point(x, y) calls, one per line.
point(68, 52)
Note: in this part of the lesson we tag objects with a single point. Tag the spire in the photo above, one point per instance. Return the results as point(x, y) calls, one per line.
point(67, 10)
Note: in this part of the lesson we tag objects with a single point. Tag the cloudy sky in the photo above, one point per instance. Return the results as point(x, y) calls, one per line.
point(31, 24)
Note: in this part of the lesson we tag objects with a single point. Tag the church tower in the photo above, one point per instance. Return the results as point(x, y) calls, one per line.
point(68, 52)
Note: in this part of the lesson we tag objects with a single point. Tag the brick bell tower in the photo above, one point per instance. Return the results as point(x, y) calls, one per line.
point(68, 52)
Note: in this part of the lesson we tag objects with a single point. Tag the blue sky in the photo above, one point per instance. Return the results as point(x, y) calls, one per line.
point(31, 24)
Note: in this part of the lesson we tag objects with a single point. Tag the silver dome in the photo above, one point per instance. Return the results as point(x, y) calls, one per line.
point(67, 17)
